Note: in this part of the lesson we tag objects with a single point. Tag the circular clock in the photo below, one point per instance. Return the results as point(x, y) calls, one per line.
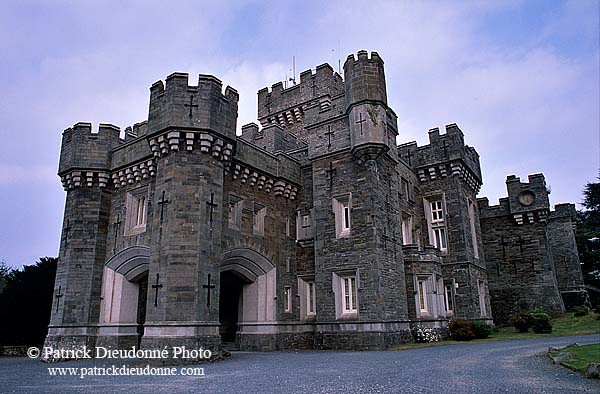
point(526, 198)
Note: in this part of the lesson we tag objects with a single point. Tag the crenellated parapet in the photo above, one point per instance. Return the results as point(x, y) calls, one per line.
point(286, 107)
point(445, 155)
point(85, 157)
point(527, 202)
point(178, 105)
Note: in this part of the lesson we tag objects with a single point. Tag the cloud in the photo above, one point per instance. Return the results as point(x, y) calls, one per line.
point(14, 174)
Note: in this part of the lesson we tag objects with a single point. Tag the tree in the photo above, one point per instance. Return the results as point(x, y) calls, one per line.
point(587, 234)
point(25, 303)
point(5, 271)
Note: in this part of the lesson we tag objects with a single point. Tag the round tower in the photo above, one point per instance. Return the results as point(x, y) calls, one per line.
point(366, 105)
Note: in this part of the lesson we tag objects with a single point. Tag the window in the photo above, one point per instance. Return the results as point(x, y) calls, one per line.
point(422, 296)
point(473, 229)
point(137, 206)
point(310, 299)
point(260, 212)
point(407, 230)
point(437, 213)
point(287, 298)
point(287, 227)
point(405, 189)
point(235, 207)
point(307, 290)
point(349, 294)
point(342, 211)
point(448, 299)
point(436, 222)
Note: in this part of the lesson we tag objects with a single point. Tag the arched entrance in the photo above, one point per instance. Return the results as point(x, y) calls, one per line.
point(124, 293)
point(247, 291)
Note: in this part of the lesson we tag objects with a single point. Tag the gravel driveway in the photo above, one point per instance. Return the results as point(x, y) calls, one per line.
point(496, 367)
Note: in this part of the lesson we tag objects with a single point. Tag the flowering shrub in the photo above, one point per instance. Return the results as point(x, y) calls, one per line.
point(461, 330)
point(426, 334)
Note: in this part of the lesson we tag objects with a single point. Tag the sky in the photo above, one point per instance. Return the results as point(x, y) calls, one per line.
point(520, 78)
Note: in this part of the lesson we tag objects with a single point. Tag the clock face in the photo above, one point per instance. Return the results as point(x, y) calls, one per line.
point(526, 198)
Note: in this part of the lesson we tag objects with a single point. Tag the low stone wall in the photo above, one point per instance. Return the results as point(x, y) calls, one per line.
point(13, 351)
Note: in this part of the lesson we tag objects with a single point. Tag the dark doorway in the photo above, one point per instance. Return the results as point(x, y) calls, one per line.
point(229, 304)
point(141, 309)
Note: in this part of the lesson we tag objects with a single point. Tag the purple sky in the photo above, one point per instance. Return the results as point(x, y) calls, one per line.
point(521, 79)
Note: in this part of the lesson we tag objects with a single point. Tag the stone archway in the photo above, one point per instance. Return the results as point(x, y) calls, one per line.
point(124, 290)
point(247, 291)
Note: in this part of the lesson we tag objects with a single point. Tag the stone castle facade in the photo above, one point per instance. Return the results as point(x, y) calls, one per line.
point(315, 230)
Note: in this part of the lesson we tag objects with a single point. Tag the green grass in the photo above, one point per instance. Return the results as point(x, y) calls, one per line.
point(582, 356)
point(564, 325)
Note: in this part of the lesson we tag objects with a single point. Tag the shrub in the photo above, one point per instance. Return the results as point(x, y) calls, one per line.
point(540, 322)
point(597, 308)
point(581, 311)
point(426, 334)
point(461, 330)
point(481, 330)
point(521, 323)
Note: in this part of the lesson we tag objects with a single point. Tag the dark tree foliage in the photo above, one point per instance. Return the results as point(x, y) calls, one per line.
point(588, 234)
point(25, 303)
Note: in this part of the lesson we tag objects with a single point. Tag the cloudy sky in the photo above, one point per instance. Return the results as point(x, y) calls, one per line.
point(521, 79)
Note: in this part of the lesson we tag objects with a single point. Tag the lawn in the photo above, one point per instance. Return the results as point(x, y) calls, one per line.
point(564, 325)
point(582, 356)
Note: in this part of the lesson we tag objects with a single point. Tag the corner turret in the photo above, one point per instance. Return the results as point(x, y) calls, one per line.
point(372, 123)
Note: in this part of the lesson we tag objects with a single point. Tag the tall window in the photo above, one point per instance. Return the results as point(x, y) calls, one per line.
point(342, 206)
point(346, 219)
point(349, 294)
point(448, 299)
point(407, 230)
point(140, 219)
point(473, 229)
point(287, 298)
point(405, 189)
point(422, 295)
point(260, 212)
point(137, 207)
point(437, 224)
point(310, 299)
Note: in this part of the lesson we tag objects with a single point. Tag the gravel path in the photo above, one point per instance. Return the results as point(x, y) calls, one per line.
point(495, 367)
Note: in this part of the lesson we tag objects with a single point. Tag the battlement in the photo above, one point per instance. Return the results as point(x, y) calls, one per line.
point(535, 189)
point(446, 147)
point(564, 210)
point(83, 148)
point(364, 79)
point(177, 104)
point(324, 81)
point(486, 210)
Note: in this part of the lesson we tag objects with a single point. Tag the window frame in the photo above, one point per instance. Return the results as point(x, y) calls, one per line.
point(287, 299)
point(349, 299)
point(311, 298)
point(342, 210)
point(136, 210)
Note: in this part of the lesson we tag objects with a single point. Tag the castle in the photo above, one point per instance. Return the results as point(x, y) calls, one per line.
point(315, 230)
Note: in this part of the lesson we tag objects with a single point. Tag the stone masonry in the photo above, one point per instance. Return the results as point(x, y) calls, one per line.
point(315, 230)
